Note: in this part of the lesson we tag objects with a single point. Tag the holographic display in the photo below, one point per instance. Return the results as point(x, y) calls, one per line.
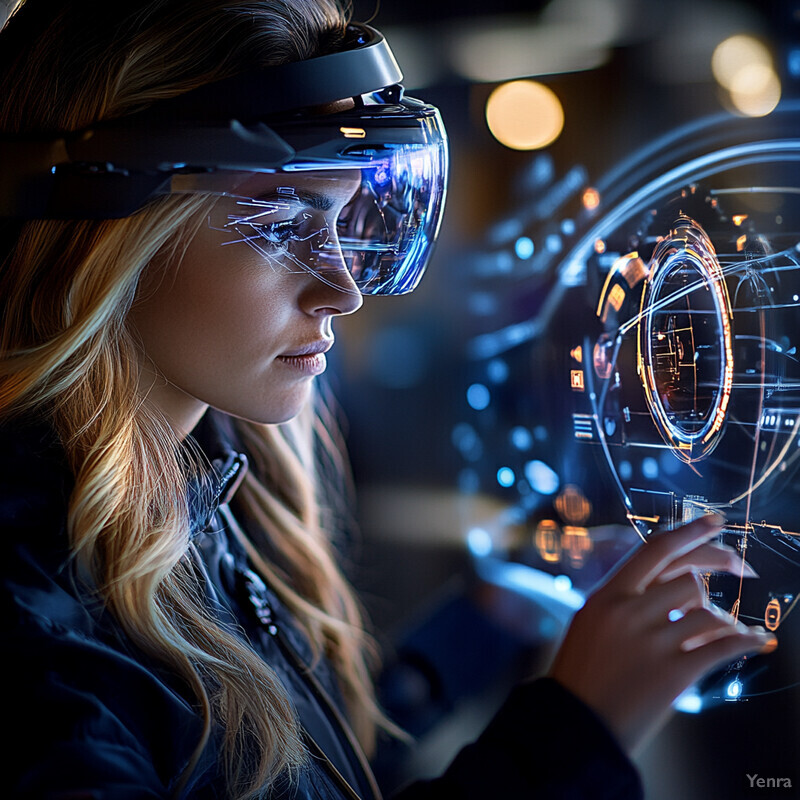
point(674, 298)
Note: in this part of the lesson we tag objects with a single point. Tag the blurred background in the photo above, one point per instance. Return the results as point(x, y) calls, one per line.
point(485, 515)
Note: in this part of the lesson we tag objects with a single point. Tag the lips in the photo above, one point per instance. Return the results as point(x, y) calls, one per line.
point(314, 348)
point(307, 360)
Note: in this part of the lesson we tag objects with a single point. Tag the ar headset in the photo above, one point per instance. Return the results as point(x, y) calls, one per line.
point(361, 189)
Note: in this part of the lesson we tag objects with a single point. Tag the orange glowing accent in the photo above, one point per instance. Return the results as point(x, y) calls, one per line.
point(591, 198)
point(577, 353)
point(772, 615)
point(576, 379)
point(738, 219)
point(577, 543)
point(741, 242)
point(602, 363)
point(632, 269)
point(642, 518)
point(706, 578)
point(616, 297)
point(353, 133)
point(599, 246)
point(547, 540)
point(573, 506)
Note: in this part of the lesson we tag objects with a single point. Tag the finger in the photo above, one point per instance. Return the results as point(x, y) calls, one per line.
point(728, 648)
point(661, 550)
point(711, 557)
point(682, 594)
point(700, 626)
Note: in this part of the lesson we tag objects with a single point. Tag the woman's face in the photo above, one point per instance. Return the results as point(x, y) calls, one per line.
point(241, 330)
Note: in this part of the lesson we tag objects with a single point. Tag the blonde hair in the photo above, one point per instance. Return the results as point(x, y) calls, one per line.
point(66, 353)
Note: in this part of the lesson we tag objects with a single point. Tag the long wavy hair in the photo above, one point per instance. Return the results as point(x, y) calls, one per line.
point(67, 354)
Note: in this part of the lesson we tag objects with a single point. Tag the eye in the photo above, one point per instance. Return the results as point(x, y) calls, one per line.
point(281, 233)
point(276, 233)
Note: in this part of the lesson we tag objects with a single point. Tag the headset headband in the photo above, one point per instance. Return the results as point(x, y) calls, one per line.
point(365, 68)
point(33, 168)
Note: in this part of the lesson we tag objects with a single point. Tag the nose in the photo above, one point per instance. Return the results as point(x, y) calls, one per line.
point(333, 292)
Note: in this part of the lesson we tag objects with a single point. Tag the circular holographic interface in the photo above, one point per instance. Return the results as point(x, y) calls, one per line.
point(669, 315)
point(685, 345)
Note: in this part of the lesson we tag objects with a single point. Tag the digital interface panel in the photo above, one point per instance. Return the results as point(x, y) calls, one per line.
point(668, 313)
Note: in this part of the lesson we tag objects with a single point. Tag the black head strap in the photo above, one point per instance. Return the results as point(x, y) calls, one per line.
point(365, 67)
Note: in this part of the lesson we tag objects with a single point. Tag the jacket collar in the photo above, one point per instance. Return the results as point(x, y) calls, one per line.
point(216, 437)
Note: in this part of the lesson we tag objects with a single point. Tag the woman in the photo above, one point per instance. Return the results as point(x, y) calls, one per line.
point(165, 638)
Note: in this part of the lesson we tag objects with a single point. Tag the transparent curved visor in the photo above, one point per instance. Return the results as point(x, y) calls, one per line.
point(363, 228)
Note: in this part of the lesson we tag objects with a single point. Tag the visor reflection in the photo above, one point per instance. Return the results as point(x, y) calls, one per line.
point(376, 220)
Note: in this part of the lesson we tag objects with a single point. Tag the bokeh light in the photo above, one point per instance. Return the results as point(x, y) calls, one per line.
point(743, 66)
point(524, 115)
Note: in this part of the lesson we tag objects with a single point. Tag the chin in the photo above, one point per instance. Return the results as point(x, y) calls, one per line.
point(272, 415)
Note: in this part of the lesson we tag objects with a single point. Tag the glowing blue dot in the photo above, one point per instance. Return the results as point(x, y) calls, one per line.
point(562, 583)
point(650, 468)
point(553, 243)
point(479, 542)
point(541, 477)
point(506, 476)
point(521, 438)
point(478, 396)
point(625, 470)
point(543, 169)
point(793, 62)
point(734, 688)
point(567, 227)
point(524, 247)
point(675, 615)
point(497, 370)
point(690, 702)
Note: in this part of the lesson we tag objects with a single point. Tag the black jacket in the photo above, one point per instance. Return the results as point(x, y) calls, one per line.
point(90, 716)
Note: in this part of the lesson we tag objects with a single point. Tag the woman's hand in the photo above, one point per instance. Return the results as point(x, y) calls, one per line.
point(624, 657)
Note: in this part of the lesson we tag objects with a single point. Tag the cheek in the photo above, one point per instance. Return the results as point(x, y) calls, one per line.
point(211, 312)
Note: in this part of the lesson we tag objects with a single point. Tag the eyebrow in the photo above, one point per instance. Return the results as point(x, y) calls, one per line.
point(315, 200)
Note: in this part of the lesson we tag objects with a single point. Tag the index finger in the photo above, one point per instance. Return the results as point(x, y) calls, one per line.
point(660, 550)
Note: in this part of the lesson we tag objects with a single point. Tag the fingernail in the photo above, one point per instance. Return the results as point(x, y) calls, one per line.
point(713, 519)
point(769, 645)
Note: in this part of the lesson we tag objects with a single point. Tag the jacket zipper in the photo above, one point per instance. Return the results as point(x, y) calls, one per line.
point(263, 611)
point(329, 708)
